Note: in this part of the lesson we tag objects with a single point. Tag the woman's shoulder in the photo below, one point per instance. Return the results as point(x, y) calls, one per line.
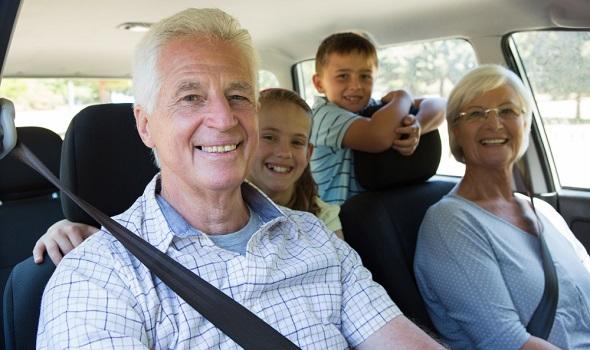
point(451, 205)
point(452, 216)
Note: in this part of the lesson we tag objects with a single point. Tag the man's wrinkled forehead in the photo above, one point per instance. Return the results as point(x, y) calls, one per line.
point(243, 86)
point(193, 63)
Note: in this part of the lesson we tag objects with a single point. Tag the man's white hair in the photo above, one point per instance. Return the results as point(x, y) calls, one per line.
point(211, 24)
point(476, 83)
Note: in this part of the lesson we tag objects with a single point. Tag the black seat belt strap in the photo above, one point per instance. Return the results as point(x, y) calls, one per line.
point(543, 317)
point(233, 319)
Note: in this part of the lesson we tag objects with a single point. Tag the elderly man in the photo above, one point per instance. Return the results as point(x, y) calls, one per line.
point(194, 76)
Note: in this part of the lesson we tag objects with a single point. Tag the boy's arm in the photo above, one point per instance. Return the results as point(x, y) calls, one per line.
point(431, 113)
point(376, 134)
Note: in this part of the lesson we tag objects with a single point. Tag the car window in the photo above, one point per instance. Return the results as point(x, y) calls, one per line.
point(425, 68)
point(52, 102)
point(557, 66)
point(267, 79)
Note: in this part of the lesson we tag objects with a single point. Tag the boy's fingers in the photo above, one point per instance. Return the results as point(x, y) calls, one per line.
point(409, 142)
point(408, 120)
point(404, 151)
point(406, 130)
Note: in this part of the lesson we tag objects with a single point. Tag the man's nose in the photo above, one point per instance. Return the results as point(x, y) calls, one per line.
point(220, 115)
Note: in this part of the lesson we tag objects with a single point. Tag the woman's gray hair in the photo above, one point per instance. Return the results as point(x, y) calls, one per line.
point(476, 83)
point(205, 23)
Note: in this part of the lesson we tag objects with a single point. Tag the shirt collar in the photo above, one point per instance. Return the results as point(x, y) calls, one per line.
point(169, 223)
point(319, 101)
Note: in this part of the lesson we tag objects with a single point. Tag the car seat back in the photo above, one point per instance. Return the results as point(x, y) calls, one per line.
point(29, 204)
point(103, 161)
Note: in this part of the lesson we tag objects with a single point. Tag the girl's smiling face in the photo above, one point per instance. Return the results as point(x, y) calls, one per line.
point(283, 151)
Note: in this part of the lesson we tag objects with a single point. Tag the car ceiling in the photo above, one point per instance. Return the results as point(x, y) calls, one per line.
point(79, 38)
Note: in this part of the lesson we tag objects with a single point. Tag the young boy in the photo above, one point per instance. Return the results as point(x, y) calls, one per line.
point(345, 66)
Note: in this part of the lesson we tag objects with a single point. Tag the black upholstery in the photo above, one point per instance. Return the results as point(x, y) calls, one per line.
point(382, 227)
point(22, 301)
point(29, 203)
point(19, 181)
point(104, 161)
point(380, 171)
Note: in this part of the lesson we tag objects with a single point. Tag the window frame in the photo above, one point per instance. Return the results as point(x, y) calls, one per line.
point(539, 156)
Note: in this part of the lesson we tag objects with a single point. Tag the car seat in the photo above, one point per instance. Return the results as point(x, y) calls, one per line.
point(105, 162)
point(29, 204)
point(382, 226)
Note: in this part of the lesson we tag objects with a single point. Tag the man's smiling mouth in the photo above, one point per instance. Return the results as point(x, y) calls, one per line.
point(218, 148)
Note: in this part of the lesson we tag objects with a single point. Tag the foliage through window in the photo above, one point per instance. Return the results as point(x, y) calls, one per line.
point(52, 102)
point(427, 68)
point(557, 65)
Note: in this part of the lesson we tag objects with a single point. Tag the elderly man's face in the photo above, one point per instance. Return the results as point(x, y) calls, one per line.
point(204, 125)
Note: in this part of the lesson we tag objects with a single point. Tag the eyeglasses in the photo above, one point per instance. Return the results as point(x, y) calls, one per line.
point(506, 112)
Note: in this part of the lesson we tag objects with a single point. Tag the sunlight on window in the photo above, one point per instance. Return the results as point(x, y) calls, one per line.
point(52, 102)
point(557, 64)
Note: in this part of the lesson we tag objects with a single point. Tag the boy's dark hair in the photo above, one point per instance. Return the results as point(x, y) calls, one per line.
point(344, 43)
point(306, 190)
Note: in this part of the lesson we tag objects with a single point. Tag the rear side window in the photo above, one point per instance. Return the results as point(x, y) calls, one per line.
point(51, 103)
point(557, 66)
point(426, 68)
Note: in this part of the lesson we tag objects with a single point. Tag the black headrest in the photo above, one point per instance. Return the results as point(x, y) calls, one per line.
point(389, 169)
point(17, 180)
point(104, 161)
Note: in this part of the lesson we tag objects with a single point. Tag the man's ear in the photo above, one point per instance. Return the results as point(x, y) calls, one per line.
point(309, 151)
point(317, 82)
point(142, 124)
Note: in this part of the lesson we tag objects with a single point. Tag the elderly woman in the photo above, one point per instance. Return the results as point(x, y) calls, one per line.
point(479, 259)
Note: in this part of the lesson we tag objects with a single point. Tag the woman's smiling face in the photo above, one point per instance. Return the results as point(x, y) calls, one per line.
point(493, 141)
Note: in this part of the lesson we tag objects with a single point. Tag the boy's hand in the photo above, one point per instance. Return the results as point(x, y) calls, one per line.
point(60, 239)
point(409, 136)
point(394, 95)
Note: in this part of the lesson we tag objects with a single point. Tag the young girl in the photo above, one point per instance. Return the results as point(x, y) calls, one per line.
point(280, 169)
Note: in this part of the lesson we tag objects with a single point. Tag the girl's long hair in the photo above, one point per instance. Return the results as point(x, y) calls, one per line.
point(306, 190)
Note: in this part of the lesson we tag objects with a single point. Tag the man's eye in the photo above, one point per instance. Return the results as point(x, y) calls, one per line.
point(191, 98)
point(239, 98)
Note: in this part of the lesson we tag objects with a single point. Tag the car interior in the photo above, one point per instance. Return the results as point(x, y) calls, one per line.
point(103, 160)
